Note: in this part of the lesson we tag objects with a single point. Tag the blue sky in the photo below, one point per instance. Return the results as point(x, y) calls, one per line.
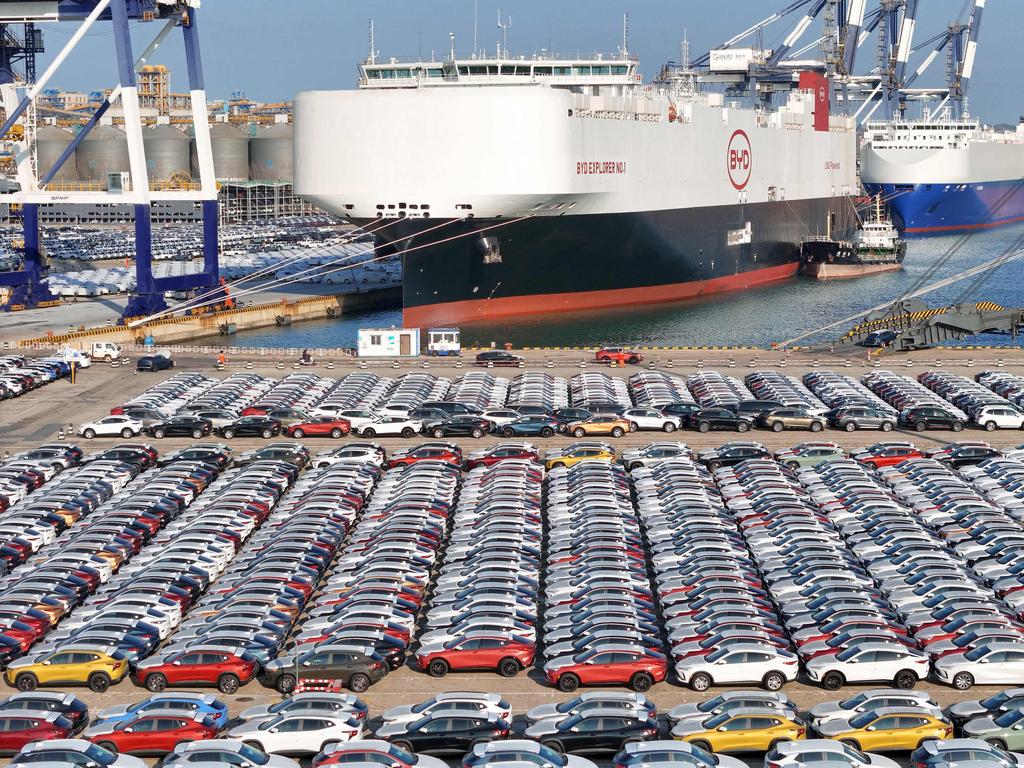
point(270, 49)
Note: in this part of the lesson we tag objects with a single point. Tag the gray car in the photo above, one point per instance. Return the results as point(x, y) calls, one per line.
point(857, 417)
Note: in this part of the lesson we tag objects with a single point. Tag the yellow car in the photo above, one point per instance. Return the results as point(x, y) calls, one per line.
point(888, 729)
point(753, 729)
point(95, 666)
point(616, 426)
point(572, 456)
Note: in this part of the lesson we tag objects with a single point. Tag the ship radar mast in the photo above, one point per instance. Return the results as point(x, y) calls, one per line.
point(504, 26)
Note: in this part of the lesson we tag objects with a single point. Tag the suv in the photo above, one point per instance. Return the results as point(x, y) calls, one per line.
point(618, 355)
point(929, 417)
point(791, 418)
point(852, 418)
point(357, 667)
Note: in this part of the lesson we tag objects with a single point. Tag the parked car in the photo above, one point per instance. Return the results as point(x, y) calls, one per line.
point(323, 426)
point(708, 419)
point(154, 363)
point(619, 355)
point(792, 418)
point(854, 417)
point(465, 425)
point(181, 426)
point(251, 426)
point(498, 357)
point(110, 426)
point(929, 417)
point(155, 734)
point(531, 426)
point(615, 426)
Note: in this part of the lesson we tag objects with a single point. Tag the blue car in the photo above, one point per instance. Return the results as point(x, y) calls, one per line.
point(195, 703)
point(532, 426)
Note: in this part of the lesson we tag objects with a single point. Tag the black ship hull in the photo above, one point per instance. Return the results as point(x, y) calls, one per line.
point(461, 271)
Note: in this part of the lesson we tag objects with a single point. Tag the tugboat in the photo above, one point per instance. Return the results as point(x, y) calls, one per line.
point(876, 247)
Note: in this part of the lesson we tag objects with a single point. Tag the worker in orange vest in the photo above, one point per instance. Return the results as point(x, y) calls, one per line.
point(221, 359)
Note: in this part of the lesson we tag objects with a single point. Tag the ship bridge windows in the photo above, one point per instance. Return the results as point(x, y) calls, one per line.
point(542, 71)
point(562, 71)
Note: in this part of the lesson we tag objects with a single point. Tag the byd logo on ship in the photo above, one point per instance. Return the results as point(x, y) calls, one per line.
point(740, 160)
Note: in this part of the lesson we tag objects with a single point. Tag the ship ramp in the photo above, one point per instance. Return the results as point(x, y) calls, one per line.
point(918, 326)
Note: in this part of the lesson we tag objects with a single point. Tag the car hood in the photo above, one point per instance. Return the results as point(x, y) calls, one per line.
point(980, 725)
point(833, 727)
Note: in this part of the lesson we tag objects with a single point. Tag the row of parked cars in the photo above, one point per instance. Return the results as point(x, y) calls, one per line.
point(20, 375)
point(189, 728)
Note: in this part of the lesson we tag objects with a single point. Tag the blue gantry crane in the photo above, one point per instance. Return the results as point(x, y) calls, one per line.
point(27, 284)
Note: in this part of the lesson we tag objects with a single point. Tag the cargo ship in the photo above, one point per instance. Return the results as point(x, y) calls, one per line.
point(941, 175)
point(533, 185)
point(875, 247)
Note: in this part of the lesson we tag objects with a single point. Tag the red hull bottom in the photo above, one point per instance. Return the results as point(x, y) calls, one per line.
point(483, 310)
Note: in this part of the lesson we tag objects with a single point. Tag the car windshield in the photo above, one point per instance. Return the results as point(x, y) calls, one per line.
point(716, 721)
point(975, 654)
point(1009, 717)
point(856, 755)
point(994, 701)
point(863, 719)
point(848, 653)
point(253, 755)
point(423, 705)
point(100, 755)
point(718, 654)
point(710, 704)
point(853, 702)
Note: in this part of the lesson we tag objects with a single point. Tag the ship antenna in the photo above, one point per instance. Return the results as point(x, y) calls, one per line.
point(625, 35)
point(371, 59)
point(504, 27)
point(476, 15)
point(451, 37)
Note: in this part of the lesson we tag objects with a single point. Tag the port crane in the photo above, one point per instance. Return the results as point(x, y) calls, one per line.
point(28, 287)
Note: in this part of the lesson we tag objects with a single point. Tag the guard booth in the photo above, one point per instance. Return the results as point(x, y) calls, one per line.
point(389, 342)
point(444, 342)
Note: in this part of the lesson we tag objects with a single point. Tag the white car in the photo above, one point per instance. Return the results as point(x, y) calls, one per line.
point(390, 426)
point(991, 664)
point(650, 418)
point(870, 662)
point(499, 417)
point(993, 417)
point(460, 700)
point(871, 699)
point(111, 426)
point(195, 754)
point(53, 751)
point(313, 702)
point(790, 754)
point(306, 733)
point(739, 664)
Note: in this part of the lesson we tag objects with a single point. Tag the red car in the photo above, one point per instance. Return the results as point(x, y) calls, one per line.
point(501, 453)
point(888, 456)
point(425, 453)
point(619, 355)
point(608, 665)
point(325, 426)
point(18, 728)
point(152, 734)
point(503, 652)
point(198, 666)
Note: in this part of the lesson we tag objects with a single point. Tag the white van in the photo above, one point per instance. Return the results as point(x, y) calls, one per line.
point(105, 351)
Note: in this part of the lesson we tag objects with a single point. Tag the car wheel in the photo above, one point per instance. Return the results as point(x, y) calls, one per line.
point(815, 426)
point(905, 680)
point(777, 426)
point(700, 682)
point(107, 358)
point(669, 426)
point(635, 465)
point(254, 745)
point(229, 433)
point(369, 433)
point(851, 743)
point(958, 426)
point(99, 682)
point(267, 434)
point(26, 682)
point(793, 464)
point(963, 680)
point(997, 743)
point(920, 426)
point(477, 433)
point(158, 434)
point(298, 434)
point(705, 745)
point(108, 745)
point(641, 682)
point(545, 432)
point(774, 681)
point(568, 683)
point(155, 682)
point(508, 668)
point(408, 432)
point(850, 426)
point(832, 681)
point(555, 746)
point(703, 426)
point(358, 682)
point(990, 426)
point(197, 433)
point(327, 745)
point(89, 434)
point(337, 434)
point(579, 432)
point(509, 433)
point(887, 426)
point(285, 684)
point(228, 683)
point(558, 465)
point(742, 426)
point(127, 434)
point(633, 426)
point(617, 432)
point(437, 668)
point(438, 433)
point(405, 746)
point(713, 465)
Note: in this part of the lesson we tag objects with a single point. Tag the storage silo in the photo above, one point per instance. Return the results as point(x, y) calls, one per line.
point(51, 142)
point(104, 150)
point(167, 152)
point(230, 153)
point(271, 153)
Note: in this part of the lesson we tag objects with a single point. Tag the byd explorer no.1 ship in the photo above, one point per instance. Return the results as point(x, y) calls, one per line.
point(513, 186)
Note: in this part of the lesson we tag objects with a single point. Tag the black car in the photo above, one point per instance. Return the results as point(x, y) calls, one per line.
point(206, 454)
point(728, 455)
point(357, 668)
point(596, 730)
point(181, 426)
point(298, 457)
point(498, 357)
point(453, 409)
point(566, 416)
point(454, 731)
point(707, 419)
point(683, 410)
point(930, 417)
point(428, 416)
point(966, 455)
point(474, 426)
point(755, 408)
point(882, 338)
point(251, 426)
point(154, 363)
point(135, 456)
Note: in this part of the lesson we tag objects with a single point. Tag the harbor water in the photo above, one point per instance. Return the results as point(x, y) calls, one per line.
point(757, 317)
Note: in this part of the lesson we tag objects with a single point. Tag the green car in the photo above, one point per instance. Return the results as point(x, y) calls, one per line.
point(811, 457)
point(1006, 730)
